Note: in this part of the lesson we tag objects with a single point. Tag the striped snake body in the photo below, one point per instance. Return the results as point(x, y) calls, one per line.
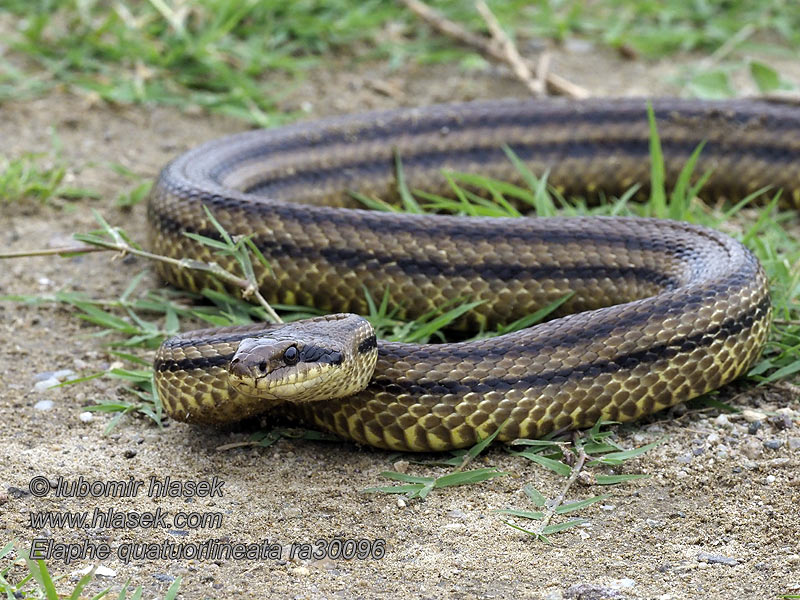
point(661, 311)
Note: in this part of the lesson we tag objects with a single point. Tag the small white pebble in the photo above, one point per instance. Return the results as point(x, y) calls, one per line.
point(43, 405)
point(722, 421)
point(752, 416)
point(653, 523)
point(101, 571)
point(619, 584)
point(770, 478)
point(712, 438)
point(45, 384)
point(292, 512)
point(401, 503)
point(301, 571)
point(401, 466)
point(44, 282)
point(86, 416)
point(608, 507)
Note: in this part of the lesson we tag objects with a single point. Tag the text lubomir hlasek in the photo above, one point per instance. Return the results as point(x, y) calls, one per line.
point(155, 488)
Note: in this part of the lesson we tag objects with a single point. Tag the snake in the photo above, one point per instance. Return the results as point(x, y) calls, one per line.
point(653, 312)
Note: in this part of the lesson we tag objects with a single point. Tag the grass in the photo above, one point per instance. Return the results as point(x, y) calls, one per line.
point(39, 177)
point(241, 58)
point(38, 584)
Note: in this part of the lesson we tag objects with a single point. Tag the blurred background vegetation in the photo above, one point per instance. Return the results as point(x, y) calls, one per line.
point(221, 54)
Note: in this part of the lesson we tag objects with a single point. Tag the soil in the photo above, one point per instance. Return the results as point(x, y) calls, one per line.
point(718, 518)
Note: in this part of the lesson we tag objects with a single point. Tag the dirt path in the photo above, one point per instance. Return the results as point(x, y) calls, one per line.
point(719, 517)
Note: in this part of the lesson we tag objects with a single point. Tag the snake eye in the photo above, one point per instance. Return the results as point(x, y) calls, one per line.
point(262, 366)
point(290, 355)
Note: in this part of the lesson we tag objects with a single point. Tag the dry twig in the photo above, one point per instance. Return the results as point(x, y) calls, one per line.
point(490, 48)
point(559, 500)
point(512, 55)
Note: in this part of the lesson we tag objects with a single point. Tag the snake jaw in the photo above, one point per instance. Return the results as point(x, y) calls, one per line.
point(302, 362)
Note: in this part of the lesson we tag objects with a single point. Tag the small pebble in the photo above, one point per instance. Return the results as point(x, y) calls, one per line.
point(61, 375)
point(401, 466)
point(457, 514)
point(752, 416)
point(753, 427)
point(752, 449)
point(698, 451)
point(717, 559)
point(401, 503)
point(770, 478)
point(50, 379)
point(43, 405)
point(722, 421)
point(748, 464)
point(45, 384)
point(101, 571)
point(292, 512)
point(581, 591)
point(713, 438)
point(773, 444)
point(781, 422)
point(579, 46)
point(619, 584)
point(794, 443)
point(653, 524)
point(301, 571)
point(86, 417)
point(684, 459)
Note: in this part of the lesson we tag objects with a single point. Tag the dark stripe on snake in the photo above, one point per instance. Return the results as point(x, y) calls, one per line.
point(189, 364)
point(304, 137)
point(649, 355)
point(577, 149)
point(353, 258)
point(368, 344)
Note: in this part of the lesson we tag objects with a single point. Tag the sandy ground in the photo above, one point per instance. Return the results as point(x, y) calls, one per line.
point(719, 517)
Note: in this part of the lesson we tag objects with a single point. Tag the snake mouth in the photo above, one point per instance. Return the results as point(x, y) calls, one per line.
point(298, 382)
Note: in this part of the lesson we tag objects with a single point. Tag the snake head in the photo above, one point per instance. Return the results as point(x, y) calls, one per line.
point(314, 359)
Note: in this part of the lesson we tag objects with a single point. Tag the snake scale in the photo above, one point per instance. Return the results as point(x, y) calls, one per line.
point(661, 311)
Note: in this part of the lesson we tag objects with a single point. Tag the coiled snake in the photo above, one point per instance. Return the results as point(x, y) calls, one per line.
point(662, 311)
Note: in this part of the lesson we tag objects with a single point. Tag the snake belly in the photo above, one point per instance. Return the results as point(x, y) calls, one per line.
point(661, 311)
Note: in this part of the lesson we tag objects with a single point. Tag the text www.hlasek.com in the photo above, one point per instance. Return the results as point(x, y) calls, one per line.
point(115, 519)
